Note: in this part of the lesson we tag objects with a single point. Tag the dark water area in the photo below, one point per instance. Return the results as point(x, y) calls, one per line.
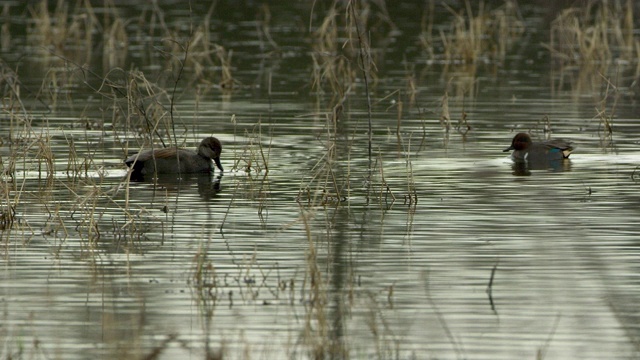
point(430, 243)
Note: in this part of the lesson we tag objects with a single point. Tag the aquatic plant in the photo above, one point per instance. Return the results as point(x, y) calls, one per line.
point(594, 40)
point(474, 36)
point(68, 31)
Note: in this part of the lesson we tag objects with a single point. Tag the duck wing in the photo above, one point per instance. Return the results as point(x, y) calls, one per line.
point(165, 153)
point(559, 144)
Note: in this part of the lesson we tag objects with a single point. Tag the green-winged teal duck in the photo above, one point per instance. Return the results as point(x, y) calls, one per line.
point(525, 150)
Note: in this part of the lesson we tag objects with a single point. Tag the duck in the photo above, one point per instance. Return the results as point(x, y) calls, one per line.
point(525, 150)
point(173, 160)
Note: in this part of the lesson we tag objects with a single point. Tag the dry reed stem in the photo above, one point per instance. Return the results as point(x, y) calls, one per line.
point(586, 42)
point(605, 126)
point(313, 292)
point(332, 68)
point(327, 188)
point(484, 37)
point(385, 342)
point(445, 116)
point(263, 26)
point(65, 31)
point(253, 156)
point(8, 209)
point(411, 198)
point(385, 190)
point(366, 64)
point(115, 40)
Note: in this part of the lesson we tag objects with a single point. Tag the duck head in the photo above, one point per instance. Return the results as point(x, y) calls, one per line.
point(211, 148)
point(520, 142)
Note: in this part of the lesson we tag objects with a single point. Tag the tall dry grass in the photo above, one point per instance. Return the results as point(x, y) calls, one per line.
point(68, 30)
point(476, 35)
point(587, 43)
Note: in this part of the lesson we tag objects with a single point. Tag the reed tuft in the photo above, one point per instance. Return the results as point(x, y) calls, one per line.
point(590, 41)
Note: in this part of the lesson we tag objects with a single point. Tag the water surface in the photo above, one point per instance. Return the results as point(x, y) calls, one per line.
point(440, 251)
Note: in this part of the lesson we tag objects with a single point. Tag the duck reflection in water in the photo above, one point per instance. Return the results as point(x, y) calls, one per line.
point(208, 184)
point(547, 155)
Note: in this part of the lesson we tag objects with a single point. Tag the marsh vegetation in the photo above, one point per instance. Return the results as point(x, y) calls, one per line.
point(366, 209)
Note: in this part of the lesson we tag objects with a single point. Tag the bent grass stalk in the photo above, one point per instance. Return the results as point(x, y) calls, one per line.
point(605, 127)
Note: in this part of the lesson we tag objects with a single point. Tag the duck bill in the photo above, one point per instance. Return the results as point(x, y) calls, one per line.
point(217, 161)
point(508, 149)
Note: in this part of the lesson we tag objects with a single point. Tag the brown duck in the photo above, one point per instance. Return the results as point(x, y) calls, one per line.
point(176, 161)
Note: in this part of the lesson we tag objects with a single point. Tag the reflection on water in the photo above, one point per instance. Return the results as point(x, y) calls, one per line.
point(426, 242)
point(207, 184)
point(523, 168)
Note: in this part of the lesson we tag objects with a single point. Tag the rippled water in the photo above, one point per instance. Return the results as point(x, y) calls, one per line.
point(450, 254)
